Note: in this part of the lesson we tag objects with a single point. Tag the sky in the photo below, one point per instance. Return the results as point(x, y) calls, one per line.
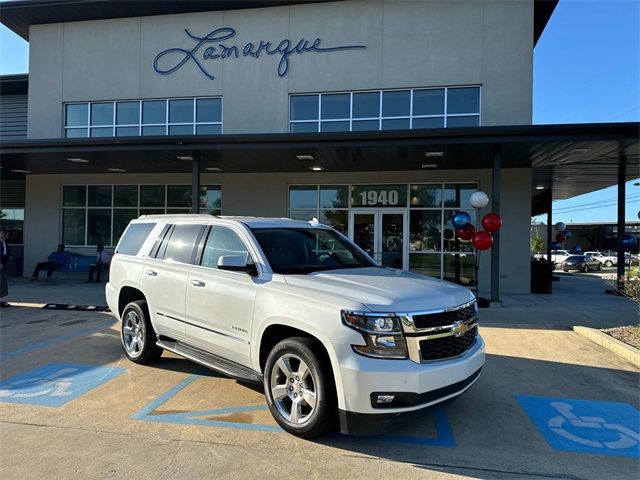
point(586, 69)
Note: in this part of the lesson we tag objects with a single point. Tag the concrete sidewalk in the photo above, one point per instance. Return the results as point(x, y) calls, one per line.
point(576, 300)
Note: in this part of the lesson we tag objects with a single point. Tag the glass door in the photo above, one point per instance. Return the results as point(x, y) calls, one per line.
point(382, 234)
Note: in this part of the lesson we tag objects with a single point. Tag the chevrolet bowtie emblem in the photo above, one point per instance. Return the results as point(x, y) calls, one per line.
point(459, 329)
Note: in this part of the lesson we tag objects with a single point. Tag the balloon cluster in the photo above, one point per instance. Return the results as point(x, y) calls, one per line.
point(491, 222)
point(562, 235)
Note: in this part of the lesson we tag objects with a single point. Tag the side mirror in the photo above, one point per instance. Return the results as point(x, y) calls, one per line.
point(237, 263)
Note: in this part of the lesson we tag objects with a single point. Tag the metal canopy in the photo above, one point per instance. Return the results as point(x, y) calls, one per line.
point(576, 158)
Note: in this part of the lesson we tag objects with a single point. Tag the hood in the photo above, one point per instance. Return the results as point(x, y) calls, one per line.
point(384, 289)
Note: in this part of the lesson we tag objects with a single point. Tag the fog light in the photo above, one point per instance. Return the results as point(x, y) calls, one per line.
point(385, 398)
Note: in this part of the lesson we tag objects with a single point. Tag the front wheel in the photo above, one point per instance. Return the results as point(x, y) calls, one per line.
point(608, 264)
point(585, 269)
point(137, 334)
point(299, 389)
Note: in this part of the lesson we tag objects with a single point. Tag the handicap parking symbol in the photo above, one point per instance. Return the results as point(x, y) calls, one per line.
point(604, 428)
point(55, 384)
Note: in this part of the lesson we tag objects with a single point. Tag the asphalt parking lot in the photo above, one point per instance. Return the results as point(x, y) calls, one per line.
point(549, 404)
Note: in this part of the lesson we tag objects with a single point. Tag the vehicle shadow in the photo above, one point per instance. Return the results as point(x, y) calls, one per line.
point(492, 437)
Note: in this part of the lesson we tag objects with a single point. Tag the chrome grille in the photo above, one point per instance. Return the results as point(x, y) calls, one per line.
point(443, 319)
point(447, 347)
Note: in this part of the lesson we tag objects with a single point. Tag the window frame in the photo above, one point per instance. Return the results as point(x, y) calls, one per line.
point(380, 118)
point(140, 210)
point(140, 124)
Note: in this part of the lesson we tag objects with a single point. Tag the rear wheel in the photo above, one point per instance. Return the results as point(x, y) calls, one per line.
point(608, 263)
point(299, 389)
point(137, 334)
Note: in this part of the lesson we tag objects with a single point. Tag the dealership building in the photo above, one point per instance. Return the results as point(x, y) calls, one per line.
point(379, 118)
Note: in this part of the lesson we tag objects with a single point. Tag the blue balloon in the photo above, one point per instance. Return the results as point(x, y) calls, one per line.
point(555, 245)
point(567, 234)
point(461, 220)
point(576, 250)
point(627, 242)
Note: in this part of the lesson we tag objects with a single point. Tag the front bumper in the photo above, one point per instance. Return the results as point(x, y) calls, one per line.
point(353, 423)
point(417, 386)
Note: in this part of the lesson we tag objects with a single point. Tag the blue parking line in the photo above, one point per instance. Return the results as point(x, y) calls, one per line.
point(147, 409)
point(444, 436)
point(53, 341)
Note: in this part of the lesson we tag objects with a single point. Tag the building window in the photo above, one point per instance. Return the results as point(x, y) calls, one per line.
point(385, 110)
point(132, 118)
point(433, 246)
point(99, 214)
point(12, 222)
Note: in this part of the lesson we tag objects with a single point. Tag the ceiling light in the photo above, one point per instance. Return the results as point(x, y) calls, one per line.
point(186, 158)
point(579, 150)
point(305, 157)
point(562, 177)
point(20, 171)
point(116, 170)
point(540, 187)
point(78, 160)
point(433, 154)
point(316, 168)
point(429, 165)
point(214, 169)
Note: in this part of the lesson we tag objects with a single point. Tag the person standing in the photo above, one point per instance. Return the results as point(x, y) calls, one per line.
point(5, 255)
point(102, 262)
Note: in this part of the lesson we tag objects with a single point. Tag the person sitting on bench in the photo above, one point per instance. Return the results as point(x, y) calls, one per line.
point(102, 261)
point(55, 260)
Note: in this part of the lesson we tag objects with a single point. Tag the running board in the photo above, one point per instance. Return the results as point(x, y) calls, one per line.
point(209, 360)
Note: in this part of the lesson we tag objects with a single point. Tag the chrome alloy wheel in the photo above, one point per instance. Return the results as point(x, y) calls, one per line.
point(133, 333)
point(293, 388)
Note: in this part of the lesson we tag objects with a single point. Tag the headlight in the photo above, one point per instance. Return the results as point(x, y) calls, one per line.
point(382, 334)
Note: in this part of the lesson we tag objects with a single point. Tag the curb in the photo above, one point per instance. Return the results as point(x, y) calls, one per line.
point(616, 346)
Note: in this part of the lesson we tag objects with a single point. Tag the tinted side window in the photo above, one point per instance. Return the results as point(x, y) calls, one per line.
point(134, 237)
point(222, 241)
point(180, 245)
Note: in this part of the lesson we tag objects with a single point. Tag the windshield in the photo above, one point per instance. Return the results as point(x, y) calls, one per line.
point(307, 250)
point(575, 258)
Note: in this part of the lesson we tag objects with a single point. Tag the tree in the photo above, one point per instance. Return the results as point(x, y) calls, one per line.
point(537, 244)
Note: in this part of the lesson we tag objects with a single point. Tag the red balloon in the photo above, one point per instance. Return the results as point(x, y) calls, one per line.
point(466, 233)
point(561, 237)
point(491, 222)
point(482, 240)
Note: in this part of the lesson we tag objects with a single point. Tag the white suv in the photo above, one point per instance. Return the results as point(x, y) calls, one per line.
point(606, 260)
point(299, 308)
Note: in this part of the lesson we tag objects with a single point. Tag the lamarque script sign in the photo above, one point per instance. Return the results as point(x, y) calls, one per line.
point(209, 47)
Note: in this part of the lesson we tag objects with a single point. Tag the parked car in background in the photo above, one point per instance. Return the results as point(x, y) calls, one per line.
point(557, 256)
point(582, 263)
point(606, 260)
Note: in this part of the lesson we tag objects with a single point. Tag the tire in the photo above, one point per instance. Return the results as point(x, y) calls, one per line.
point(303, 405)
point(137, 334)
point(599, 267)
point(608, 264)
point(585, 269)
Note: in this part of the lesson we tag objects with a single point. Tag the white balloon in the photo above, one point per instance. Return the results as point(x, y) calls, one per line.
point(560, 227)
point(479, 200)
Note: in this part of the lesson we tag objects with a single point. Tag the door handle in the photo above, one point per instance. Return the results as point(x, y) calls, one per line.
point(151, 273)
point(197, 283)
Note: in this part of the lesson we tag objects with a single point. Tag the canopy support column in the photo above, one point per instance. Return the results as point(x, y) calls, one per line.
point(495, 208)
point(622, 174)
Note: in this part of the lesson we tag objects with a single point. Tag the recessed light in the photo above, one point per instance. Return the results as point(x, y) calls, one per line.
point(186, 158)
point(305, 157)
point(433, 154)
point(20, 171)
point(214, 169)
point(116, 170)
point(540, 187)
point(429, 165)
point(579, 150)
point(316, 168)
point(78, 160)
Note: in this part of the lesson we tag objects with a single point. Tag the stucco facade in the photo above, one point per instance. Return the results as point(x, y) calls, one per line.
point(409, 44)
